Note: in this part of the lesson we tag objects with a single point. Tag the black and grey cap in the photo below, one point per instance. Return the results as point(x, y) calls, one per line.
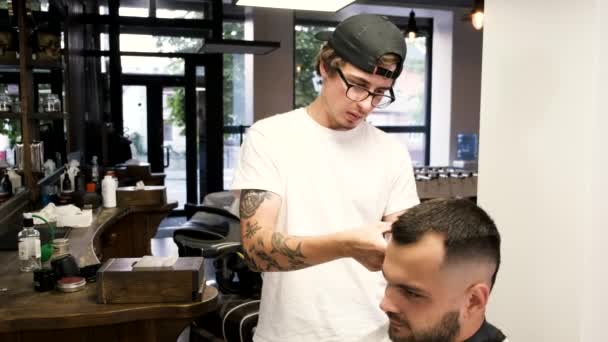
point(363, 38)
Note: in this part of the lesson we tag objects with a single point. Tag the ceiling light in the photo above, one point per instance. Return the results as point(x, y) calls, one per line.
point(304, 5)
point(412, 28)
point(477, 15)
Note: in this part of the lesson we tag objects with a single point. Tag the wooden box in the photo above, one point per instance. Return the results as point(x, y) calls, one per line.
point(129, 196)
point(117, 282)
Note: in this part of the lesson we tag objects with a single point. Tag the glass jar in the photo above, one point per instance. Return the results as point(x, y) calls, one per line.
point(16, 104)
point(42, 103)
point(6, 103)
point(53, 104)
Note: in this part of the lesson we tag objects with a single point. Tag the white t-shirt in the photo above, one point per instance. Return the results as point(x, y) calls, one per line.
point(328, 181)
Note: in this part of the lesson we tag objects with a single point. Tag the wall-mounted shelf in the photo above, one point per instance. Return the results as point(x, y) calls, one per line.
point(257, 47)
point(10, 115)
point(143, 25)
point(56, 64)
point(14, 65)
point(232, 46)
point(49, 116)
point(36, 116)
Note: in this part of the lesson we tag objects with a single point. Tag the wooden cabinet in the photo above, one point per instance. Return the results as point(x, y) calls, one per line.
point(39, 62)
point(29, 64)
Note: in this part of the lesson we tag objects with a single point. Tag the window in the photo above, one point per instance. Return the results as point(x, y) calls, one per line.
point(307, 82)
point(152, 43)
point(152, 65)
point(236, 119)
point(406, 118)
point(167, 130)
point(164, 9)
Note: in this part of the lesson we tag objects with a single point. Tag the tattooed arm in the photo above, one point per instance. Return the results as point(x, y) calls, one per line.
point(268, 250)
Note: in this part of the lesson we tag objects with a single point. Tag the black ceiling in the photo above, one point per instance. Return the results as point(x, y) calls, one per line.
point(199, 4)
point(420, 3)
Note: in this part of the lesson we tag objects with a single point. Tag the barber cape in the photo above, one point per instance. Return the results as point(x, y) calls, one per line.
point(487, 333)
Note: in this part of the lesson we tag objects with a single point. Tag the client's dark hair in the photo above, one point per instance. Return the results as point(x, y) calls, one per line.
point(469, 233)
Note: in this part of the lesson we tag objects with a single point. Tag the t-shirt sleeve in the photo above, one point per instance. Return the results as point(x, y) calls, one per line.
point(257, 168)
point(402, 193)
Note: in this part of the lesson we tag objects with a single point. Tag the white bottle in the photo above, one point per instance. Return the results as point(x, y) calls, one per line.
point(29, 246)
point(108, 192)
point(49, 167)
point(15, 179)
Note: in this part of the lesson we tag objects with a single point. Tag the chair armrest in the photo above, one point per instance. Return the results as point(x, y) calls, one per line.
point(192, 209)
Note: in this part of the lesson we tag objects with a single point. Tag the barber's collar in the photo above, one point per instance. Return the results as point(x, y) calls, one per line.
point(487, 333)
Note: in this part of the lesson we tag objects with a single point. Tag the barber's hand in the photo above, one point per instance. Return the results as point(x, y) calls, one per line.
point(367, 244)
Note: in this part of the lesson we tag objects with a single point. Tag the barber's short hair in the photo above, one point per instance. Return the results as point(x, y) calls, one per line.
point(469, 232)
point(331, 61)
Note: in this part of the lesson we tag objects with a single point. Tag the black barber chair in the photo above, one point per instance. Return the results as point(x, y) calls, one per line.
point(214, 234)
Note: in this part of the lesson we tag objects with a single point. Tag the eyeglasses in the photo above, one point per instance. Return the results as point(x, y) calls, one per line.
point(388, 236)
point(358, 93)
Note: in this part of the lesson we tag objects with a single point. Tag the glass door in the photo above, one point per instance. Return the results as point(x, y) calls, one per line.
point(174, 144)
point(153, 119)
point(135, 119)
point(175, 123)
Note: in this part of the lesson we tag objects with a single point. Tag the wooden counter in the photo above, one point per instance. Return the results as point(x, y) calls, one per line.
point(27, 315)
point(117, 233)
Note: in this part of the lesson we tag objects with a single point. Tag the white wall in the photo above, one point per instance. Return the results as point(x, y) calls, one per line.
point(542, 156)
point(595, 305)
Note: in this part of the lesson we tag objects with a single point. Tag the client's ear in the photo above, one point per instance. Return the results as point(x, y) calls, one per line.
point(476, 300)
point(322, 70)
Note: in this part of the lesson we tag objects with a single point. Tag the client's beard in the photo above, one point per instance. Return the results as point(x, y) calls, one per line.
point(445, 331)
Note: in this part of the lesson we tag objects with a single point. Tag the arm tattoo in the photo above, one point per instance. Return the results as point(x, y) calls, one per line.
point(262, 257)
point(251, 229)
point(256, 257)
point(249, 260)
point(294, 256)
point(259, 260)
point(251, 201)
point(271, 263)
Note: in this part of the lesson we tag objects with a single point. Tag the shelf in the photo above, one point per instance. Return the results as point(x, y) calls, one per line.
point(37, 16)
point(36, 116)
point(57, 64)
point(257, 47)
point(49, 116)
point(47, 65)
point(148, 25)
point(231, 46)
point(8, 115)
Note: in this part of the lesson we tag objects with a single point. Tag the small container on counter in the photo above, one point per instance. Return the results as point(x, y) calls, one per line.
point(44, 280)
point(71, 284)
